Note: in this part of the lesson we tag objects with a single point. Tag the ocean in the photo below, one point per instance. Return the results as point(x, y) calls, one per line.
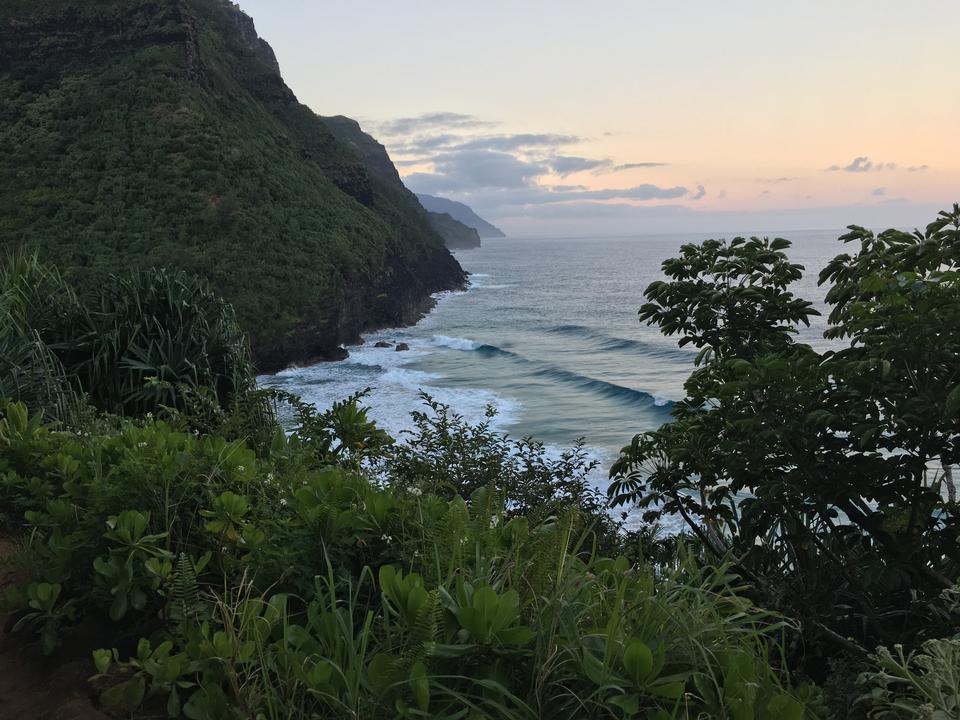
point(548, 334)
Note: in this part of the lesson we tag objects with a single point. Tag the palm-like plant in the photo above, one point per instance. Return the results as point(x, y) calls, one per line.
point(157, 330)
point(41, 321)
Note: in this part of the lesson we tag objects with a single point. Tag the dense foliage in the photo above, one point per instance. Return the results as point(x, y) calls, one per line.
point(145, 338)
point(286, 586)
point(825, 476)
point(146, 133)
point(230, 567)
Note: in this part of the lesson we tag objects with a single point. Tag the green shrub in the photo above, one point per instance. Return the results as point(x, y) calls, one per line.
point(820, 473)
point(282, 587)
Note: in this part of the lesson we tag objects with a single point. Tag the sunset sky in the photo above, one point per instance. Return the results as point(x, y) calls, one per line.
point(620, 117)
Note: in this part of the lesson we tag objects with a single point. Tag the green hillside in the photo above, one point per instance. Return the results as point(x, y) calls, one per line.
point(160, 132)
point(454, 233)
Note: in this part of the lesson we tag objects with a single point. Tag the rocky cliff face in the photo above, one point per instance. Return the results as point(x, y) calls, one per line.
point(160, 132)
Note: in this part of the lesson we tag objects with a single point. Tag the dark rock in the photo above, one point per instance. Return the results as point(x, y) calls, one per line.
point(383, 344)
point(401, 347)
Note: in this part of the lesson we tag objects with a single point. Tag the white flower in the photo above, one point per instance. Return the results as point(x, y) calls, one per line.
point(494, 521)
point(269, 477)
point(149, 415)
point(386, 538)
point(240, 468)
point(416, 492)
point(283, 502)
point(141, 445)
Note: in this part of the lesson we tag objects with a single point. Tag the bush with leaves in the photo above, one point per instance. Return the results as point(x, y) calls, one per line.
point(446, 455)
point(820, 473)
point(298, 584)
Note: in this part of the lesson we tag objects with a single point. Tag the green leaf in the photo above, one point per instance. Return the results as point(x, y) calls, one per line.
point(118, 608)
point(420, 684)
point(630, 704)
point(102, 660)
point(126, 695)
point(638, 661)
point(667, 688)
point(173, 704)
point(785, 707)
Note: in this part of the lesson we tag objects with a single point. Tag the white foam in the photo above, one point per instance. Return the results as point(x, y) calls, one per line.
point(394, 389)
point(410, 379)
point(454, 343)
point(661, 401)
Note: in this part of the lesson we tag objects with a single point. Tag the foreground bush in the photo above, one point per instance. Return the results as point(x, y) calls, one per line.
point(825, 475)
point(282, 586)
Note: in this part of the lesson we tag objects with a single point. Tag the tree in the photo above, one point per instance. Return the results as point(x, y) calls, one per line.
point(821, 473)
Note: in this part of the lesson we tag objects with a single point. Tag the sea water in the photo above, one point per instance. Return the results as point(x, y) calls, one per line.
point(548, 335)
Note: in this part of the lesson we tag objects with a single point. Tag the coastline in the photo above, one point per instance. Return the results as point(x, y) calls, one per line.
point(416, 313)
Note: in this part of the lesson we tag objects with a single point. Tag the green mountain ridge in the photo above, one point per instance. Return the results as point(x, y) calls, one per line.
point(160, 132)
point(454, 233)
point(463, 214)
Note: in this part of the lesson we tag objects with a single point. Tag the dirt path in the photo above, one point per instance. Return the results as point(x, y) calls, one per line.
point(37, 688)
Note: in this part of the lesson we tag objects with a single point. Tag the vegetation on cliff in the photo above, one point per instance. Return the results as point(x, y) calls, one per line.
point(159, 133)
point(454, 233)
point(462, 214)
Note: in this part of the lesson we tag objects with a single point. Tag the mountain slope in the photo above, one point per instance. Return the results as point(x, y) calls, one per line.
point(461, 213)
point(160, 132)
point(454, 233)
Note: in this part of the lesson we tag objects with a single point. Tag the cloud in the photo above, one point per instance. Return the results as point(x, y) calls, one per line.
point(564, 165)
point(449, 142)
point(431, 121)
point(722, 195)
point(636, 165)
point(521, 141)
point(879, 192)
point(465, 170)
point(918, 168)
point(458, 156)
point(862, 164)
point(777, 180)
point(421, 145)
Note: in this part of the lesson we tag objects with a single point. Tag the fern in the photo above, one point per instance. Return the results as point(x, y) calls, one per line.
point(184, 605)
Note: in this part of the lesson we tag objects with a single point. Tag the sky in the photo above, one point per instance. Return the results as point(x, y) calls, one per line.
point(612, 117)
